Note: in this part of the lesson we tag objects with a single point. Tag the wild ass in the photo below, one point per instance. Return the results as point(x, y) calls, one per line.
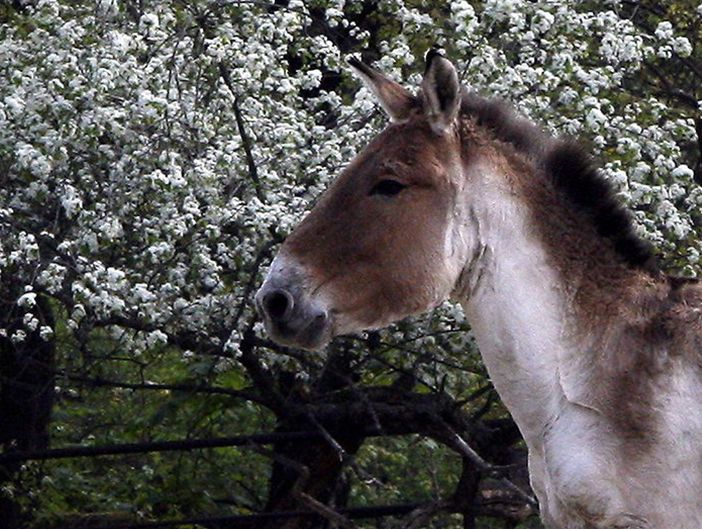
point(595, 352)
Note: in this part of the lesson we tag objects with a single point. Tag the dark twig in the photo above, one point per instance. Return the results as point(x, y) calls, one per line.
point(341, 453)
point(185, 388)
point(495, 471)
point(245, 140)
point(421, 516)
point(307, 500)
point(260, 376)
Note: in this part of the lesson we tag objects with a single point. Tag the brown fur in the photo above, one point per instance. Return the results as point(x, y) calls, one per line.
point(633, 316)
point(344, 240)
point(627, 330)
point(593, 276)
point(570, 171)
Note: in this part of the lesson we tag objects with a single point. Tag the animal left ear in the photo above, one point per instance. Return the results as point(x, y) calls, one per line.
point(442, 98)
point(396, 101)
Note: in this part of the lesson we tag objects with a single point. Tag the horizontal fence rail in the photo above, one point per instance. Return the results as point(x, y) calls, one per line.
point(244, 521)
point(250, 520)
point(157, 446)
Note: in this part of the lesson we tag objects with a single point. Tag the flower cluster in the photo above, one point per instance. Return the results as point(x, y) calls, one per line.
point(149, 158)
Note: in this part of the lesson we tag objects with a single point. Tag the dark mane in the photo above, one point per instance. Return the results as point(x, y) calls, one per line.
point(572, 173)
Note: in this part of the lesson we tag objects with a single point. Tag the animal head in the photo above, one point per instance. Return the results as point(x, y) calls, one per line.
point(380, 244)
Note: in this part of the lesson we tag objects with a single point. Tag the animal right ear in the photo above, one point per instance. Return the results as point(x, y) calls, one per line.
point(442, 92)
point(396, 101)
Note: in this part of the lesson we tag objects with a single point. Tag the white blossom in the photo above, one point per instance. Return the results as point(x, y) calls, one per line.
point(156, 338)
point(542, 21)
point(148, 20)
point(682, 46)
point(107, 8)
point(18, 336)
point(125, 138)
point(46, 333)
point(664, 31)
point(232, 345)
point(71, 200)
point(30, 322)
point(682, 172)
point(27, 300)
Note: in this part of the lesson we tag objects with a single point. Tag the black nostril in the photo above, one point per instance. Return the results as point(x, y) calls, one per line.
point(278, 304)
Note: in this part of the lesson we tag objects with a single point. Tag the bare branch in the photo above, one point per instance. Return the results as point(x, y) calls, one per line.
point(307, 500)
point(245, 140)
point(186, 388)
point(421, 516)
point(495, 471)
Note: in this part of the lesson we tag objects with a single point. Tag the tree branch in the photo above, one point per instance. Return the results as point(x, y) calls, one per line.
point(186, 388)
point(245, 141)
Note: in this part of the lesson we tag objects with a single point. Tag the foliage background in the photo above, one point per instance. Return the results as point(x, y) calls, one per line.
point(152, 156)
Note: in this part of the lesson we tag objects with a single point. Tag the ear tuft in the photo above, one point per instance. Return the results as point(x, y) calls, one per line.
point(433, 52)
point(395, 100)
point(441, 89)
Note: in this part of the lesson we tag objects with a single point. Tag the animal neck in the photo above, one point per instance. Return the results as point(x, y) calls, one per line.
point(530, 322)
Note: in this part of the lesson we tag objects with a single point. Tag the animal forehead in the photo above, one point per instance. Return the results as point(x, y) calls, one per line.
point(401, 147)
point(416, 134)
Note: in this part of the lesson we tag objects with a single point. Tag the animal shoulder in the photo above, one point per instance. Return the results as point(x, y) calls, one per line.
point(685, 311)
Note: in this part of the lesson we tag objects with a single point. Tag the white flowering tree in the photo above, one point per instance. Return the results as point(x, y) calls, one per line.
point(153, 154)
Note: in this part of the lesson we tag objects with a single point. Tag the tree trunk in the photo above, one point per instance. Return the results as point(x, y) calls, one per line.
point(320, 459)
point(26, 395)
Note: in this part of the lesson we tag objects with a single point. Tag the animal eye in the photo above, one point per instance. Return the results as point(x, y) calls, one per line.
point(387, 188)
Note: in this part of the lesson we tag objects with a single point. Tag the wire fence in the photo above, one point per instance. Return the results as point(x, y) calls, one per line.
point(157, 446)
point(251, 520)
point(231, 521)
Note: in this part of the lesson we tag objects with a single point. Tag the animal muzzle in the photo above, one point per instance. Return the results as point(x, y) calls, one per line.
point(291, 317)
